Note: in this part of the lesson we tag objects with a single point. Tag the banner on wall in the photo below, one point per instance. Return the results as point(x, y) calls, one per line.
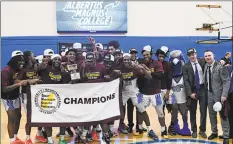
point(92, 16)
point(74, 104)
point(85, 46)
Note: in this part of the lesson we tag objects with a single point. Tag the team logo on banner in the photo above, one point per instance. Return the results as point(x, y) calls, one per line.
point(47, 101)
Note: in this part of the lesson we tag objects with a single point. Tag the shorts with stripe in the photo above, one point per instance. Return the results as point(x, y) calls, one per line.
point(144, 101)
point(11, 104)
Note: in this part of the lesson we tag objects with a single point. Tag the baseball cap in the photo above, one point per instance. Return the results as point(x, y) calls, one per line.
point(126, 54)
point(39, 58)
point(90, 56)
point(109, 57)
point(118, 51)
point(54, 56)
point(99, 45)
point(147, 48)
point(77, 45)
point(133, 50)
point(16, 53)
point(191, 51)
point(48, 52)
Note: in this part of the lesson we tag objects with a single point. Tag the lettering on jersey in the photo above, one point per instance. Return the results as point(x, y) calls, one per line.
point(30, 74)
point(177, 88)
point(152, 70)
point(55, 77)
point(127, 75)
point(92, 75)
point(15, 75)
point(101, 99)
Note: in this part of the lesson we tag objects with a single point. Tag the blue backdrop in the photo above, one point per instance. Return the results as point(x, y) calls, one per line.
point(39, 44)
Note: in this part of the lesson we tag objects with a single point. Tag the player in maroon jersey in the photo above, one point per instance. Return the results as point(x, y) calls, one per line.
point(10, 94)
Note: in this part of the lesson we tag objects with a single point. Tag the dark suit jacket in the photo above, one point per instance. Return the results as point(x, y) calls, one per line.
point(189, 76)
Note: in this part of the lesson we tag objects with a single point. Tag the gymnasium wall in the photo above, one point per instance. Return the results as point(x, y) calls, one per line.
point(32, 26)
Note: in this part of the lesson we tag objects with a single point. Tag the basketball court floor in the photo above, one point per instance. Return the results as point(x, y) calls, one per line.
point(122, 139)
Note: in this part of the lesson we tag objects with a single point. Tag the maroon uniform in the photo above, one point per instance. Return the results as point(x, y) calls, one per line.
point(25, 74)
point(53, 76)
point(151, 86)
point(94, 74)
point(8, 76)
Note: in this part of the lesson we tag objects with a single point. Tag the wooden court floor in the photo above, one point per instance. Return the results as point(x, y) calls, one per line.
point(122, 139)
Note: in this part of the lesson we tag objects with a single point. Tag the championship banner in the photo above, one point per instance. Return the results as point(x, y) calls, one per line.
point(92, 16)
point(58, 105)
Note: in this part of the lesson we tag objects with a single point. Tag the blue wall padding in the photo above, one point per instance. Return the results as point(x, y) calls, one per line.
point(38, 44)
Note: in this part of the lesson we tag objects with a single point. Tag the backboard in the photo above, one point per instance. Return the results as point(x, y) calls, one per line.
point(225, 30)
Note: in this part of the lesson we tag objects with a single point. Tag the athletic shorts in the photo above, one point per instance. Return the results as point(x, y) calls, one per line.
point(129, 95)
point(11, 104)
point(23, 98)
point(144, 101)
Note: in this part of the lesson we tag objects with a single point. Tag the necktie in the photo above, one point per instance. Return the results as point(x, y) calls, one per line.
point(197, 79)
point(210, 85)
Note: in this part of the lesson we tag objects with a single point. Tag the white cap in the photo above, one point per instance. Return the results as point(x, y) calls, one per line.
point(147, 48)
point(16, 53)
point(40, 58)
point(48, 52)
point(99, 45)
point(217, 107)
point(126, 54)
point(77, 45)
point(164, 49)
point(54, 56)
point(175, 53)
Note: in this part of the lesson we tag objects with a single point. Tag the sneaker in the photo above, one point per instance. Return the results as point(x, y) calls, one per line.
point(106, 138)
point(89, 137)
point(14, 142)
point(164, 134)
point(98, 129)
point(19, 141)
point(123, 129)
point(171, 130)
point(62, 142)
point(94, 135)
point(112, 133)
point(69, 131)
point(152, 135)
point(28, 141)
point(40, 139)
point(138, 132)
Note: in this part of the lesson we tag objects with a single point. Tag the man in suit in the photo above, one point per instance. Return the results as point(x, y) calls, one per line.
point(194, 85)
point(217, 83)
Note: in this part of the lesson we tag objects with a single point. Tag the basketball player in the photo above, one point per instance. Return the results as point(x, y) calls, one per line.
point(130, 71)
point(10, 94)
point(166, 80)
point(149, 92)
point(29, 73)
point(93, 72)
point(113, 46)
point(130, 107)
point(54, 75)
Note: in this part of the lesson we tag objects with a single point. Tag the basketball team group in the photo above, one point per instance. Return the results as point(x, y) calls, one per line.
point(161, 78)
